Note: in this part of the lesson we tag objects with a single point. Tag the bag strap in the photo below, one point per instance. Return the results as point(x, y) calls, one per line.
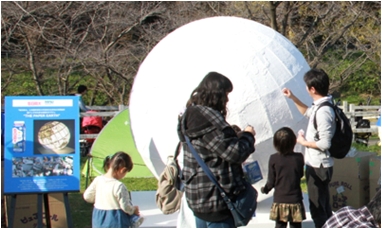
point(209, 173)
point(321, 105)
point(177, 150)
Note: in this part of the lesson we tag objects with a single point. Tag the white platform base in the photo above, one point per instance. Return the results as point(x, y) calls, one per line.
point(154, 218)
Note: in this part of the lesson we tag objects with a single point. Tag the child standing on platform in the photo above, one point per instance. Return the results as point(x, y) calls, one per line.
point(285, 170)
point(112, 202)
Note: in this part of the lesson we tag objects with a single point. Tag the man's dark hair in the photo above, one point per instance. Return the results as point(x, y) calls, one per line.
point(284, 140)
point(318, 79)
point(374, 207)
point(81, 88)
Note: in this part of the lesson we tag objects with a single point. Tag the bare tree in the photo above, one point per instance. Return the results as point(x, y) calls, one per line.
point(101, 44)
point(98, 43)
point(21, 26)
point(331, 35)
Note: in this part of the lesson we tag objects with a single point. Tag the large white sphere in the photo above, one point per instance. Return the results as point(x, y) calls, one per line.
point(259, 62)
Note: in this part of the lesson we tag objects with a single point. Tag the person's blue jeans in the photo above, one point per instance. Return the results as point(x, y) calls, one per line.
point(227, 223)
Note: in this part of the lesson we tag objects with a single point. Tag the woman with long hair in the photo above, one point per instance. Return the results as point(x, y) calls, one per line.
point(219, 146)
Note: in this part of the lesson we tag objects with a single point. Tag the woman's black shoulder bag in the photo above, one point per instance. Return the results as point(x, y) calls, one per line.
point(245, 204)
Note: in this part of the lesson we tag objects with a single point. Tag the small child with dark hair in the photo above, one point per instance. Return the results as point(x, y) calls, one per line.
point(285, 170)
point(112, 202)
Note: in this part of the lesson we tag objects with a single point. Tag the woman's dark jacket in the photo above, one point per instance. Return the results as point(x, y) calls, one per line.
point(222, 151)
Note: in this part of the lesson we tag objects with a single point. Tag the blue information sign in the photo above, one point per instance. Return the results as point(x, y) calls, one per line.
point(41, 144)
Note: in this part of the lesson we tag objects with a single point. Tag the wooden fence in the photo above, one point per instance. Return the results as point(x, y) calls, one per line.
point(103, 111)
point(366, 112)
point(351, 110)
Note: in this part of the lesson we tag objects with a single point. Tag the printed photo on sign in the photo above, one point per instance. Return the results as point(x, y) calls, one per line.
point(54, 137)
point(42, 166)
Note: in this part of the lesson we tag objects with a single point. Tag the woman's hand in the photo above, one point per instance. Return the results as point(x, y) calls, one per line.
point(250, 129)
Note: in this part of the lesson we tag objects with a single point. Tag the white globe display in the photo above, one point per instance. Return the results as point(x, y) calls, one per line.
point(259, 62)
point(54, 135)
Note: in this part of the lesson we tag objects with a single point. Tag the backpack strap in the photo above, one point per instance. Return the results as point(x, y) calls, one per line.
point(319, 106)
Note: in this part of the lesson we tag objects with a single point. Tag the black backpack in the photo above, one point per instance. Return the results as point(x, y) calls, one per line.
point(343, 137)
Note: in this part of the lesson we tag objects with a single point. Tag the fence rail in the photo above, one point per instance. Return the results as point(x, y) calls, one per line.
point(352, 112)
point(366, 112)
point(102, 111)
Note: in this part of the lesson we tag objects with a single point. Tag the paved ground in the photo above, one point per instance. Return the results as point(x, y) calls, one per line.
point(154, 218)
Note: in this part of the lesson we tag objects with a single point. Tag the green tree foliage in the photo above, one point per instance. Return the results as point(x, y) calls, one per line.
point(364, 81)
point(52, 47)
